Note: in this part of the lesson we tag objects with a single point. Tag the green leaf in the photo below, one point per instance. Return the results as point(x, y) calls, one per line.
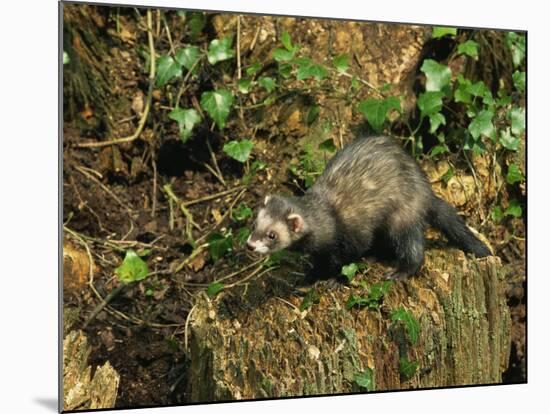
point(497, 214)
point(267, 83)
point(244, 85)
point(430, 103)
point(311, 297)
point(438, 32)
point(132, 269)
point(197, 23)
point(306, 68)
point(188, 57)
point(516, 43)
point(167, 69)
point(355, 84)
point(66, 58)
point(469, 48)
point(328, 145)
point(354, 300)
point(435, 121)
point(285, 70)
point(283, 55)
point(514, 174)
point(253, 69)
point(287, 41)
point(186, 119)
point(242, 235)
point(407, 369)
point(219, 245)
point(350, 270)
point(220, 49)
point(239, 150)
point(365, 379)
point(242, 212)
point(218, 105)
point(514, 209)
point(214, 288)
point(437, 75)
point(482, 124)
point(518, 120)
point(509, 141)
point(450, 173)
point(378, 291)
point(519, 80)
point(411, 324)
point(375, 110)
point(312, 114)
point(340, 62)
point(438, 149)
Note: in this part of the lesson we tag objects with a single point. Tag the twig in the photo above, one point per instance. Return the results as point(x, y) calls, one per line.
point(212, 196)
point(104, 303)
point(172, 49)
point(213, 157)
point(186, 335)
point(238, 47)
point(188, 216)
point(255, 38)
point(251, 275)
point(154, 206)
point(193, 254)
point(147, 108)
point(105, 188)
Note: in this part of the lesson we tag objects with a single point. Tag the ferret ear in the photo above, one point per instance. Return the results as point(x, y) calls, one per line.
point(266, 199)
point(295, 222)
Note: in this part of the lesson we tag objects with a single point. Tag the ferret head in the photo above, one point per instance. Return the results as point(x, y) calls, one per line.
point(279, 224)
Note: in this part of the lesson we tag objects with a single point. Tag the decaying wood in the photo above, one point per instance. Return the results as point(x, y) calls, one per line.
point(81, 389)
point(255, 345)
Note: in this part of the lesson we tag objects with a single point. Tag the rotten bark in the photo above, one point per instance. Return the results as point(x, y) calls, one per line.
point(255, 345)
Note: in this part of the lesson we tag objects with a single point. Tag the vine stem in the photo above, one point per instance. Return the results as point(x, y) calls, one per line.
point(147, 108)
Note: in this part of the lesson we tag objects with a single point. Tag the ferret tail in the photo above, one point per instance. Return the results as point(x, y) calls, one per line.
point(444, 217)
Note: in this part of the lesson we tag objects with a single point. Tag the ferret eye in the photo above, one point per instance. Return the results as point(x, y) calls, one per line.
point(271, 235)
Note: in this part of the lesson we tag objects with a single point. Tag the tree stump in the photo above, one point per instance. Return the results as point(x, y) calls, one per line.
point(257, 344)
point(81, 390)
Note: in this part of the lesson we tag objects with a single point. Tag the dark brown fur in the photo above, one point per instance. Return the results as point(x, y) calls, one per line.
point(372, 199)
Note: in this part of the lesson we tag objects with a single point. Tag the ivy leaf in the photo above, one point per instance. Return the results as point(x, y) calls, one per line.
point(253, 69)
point(214, 288)
point(354, 300)
point(514, 174)
point(340, 62)
point(132, 269)
point(219, 245)
point(186, 119)
point(365, 379)
point(514, 209)
point(518, 120)
point(379, 290)
point(287, 41)
point(244, 85)
point(435, 121)
point(438, 149)
point(497, 214)
point(242, 235)
point(516, 43)
point(197, 23)
point(218, 105)
point(509, 141)
point(469, 48)
point(411, 324)
point(375, 110)
point(285, 70)
point(188, 57)
point(430, 103)
point(482, 124)
point(519, 80)
point(267, 83)
point(306, 68)
point(350, 270)
point(220, 49)
point(437, 75)
point(242, 212)
point(328, 145)
point(438, 32)
point(167, 69)
point(407, 369)
point(311, 297)
point(283, 55)
point(239, 150)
